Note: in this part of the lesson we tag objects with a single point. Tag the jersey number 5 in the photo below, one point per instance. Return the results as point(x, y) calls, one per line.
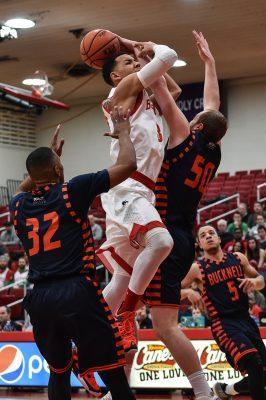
point(233, 290)
point(47, 237)
point(203, 174)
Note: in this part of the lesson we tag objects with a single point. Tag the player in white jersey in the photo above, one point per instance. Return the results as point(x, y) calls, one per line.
point(137, 240)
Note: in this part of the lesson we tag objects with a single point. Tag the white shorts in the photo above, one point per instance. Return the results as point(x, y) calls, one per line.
point(129, 215)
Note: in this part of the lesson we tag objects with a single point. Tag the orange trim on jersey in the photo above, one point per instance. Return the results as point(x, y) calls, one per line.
point(145, 180)
point(142, 229)
point(241, 355)
point(62, 370)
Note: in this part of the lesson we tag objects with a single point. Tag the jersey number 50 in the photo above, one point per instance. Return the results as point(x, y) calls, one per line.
point(203, 174)
point(47, 237)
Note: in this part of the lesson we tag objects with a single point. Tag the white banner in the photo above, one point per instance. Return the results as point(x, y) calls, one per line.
point(154, 367)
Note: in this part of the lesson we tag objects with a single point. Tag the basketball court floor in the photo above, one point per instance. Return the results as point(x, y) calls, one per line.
point(42, 395)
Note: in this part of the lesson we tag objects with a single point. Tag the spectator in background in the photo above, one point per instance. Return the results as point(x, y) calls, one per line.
point(255, 254)
point(237, 223)
point(8, 236)
point(22, 272)
point(238, 237)
point(262, 237)
point(96, 229)
point(3, 249)
point(238, 246)
point(222, 232)
point(243, 209)
point(3, 270)
point(254, 309)
point(143, 318)
point(6, 325)
point(257, 210)
point(259, 299)
point(260, 221)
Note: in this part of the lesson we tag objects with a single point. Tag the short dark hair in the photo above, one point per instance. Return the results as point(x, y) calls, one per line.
point(261, 227)
point(214, 124)
point(8, 309)
point(238, 230)
point(108, 67)
point(39, 158)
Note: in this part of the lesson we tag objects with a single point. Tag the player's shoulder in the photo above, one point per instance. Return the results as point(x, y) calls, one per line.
point(16, 199)
point(182, 148)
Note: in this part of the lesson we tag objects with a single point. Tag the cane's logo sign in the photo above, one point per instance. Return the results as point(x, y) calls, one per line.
point(154, 357)
point(211, 357)
point(12, 364)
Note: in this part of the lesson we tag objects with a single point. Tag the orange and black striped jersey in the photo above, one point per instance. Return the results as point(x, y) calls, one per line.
point(221, 293)
point(52, 225)
point(186, 171)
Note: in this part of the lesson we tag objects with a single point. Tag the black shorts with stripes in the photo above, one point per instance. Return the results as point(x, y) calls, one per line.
point(69, 310)
point(165, 288)
point(237, 337)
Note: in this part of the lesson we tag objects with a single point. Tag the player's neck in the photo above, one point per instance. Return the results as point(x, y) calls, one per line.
point(44, 182)
point(215, 254)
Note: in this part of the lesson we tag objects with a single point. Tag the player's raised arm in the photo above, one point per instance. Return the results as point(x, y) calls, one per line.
point(57, 146)
point(131, 85)
point(211, 96)
point(175, 119)
point(253, 280)
point(126, 161)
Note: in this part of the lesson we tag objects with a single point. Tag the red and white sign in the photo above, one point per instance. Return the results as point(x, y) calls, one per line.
point(154, 366)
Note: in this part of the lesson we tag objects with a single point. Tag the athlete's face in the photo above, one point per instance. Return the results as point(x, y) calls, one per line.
point(125, 65)
point(208, 238)
point(195, 125)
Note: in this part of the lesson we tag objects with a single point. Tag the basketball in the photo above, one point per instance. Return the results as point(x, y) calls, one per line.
point(97, 46)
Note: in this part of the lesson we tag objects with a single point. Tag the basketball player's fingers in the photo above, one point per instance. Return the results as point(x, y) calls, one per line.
point(120, 115)
point(111, 135)
point(195, 34)
point(55, 135)
point(62, 142)
point(126, 117)
point(242, 282)
point(113, 114)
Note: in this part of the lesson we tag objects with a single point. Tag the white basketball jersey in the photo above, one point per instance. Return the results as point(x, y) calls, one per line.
point(146, 135)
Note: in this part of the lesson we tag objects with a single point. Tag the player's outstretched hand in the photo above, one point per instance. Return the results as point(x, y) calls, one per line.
point(145, 49)
point(195, 299)
point(55, 146)
point(120, 122)
point(203, 47)
point(126, 44)
point(247, 284)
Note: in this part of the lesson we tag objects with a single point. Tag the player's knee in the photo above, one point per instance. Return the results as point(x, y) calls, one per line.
point(163, 332)
point(162, 325)
point(160, 240)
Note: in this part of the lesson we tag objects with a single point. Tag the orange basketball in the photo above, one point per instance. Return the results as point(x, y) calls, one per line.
point(97, 46)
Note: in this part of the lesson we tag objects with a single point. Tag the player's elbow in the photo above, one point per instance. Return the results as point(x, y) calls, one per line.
point(176, 93)
point(131, 166)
